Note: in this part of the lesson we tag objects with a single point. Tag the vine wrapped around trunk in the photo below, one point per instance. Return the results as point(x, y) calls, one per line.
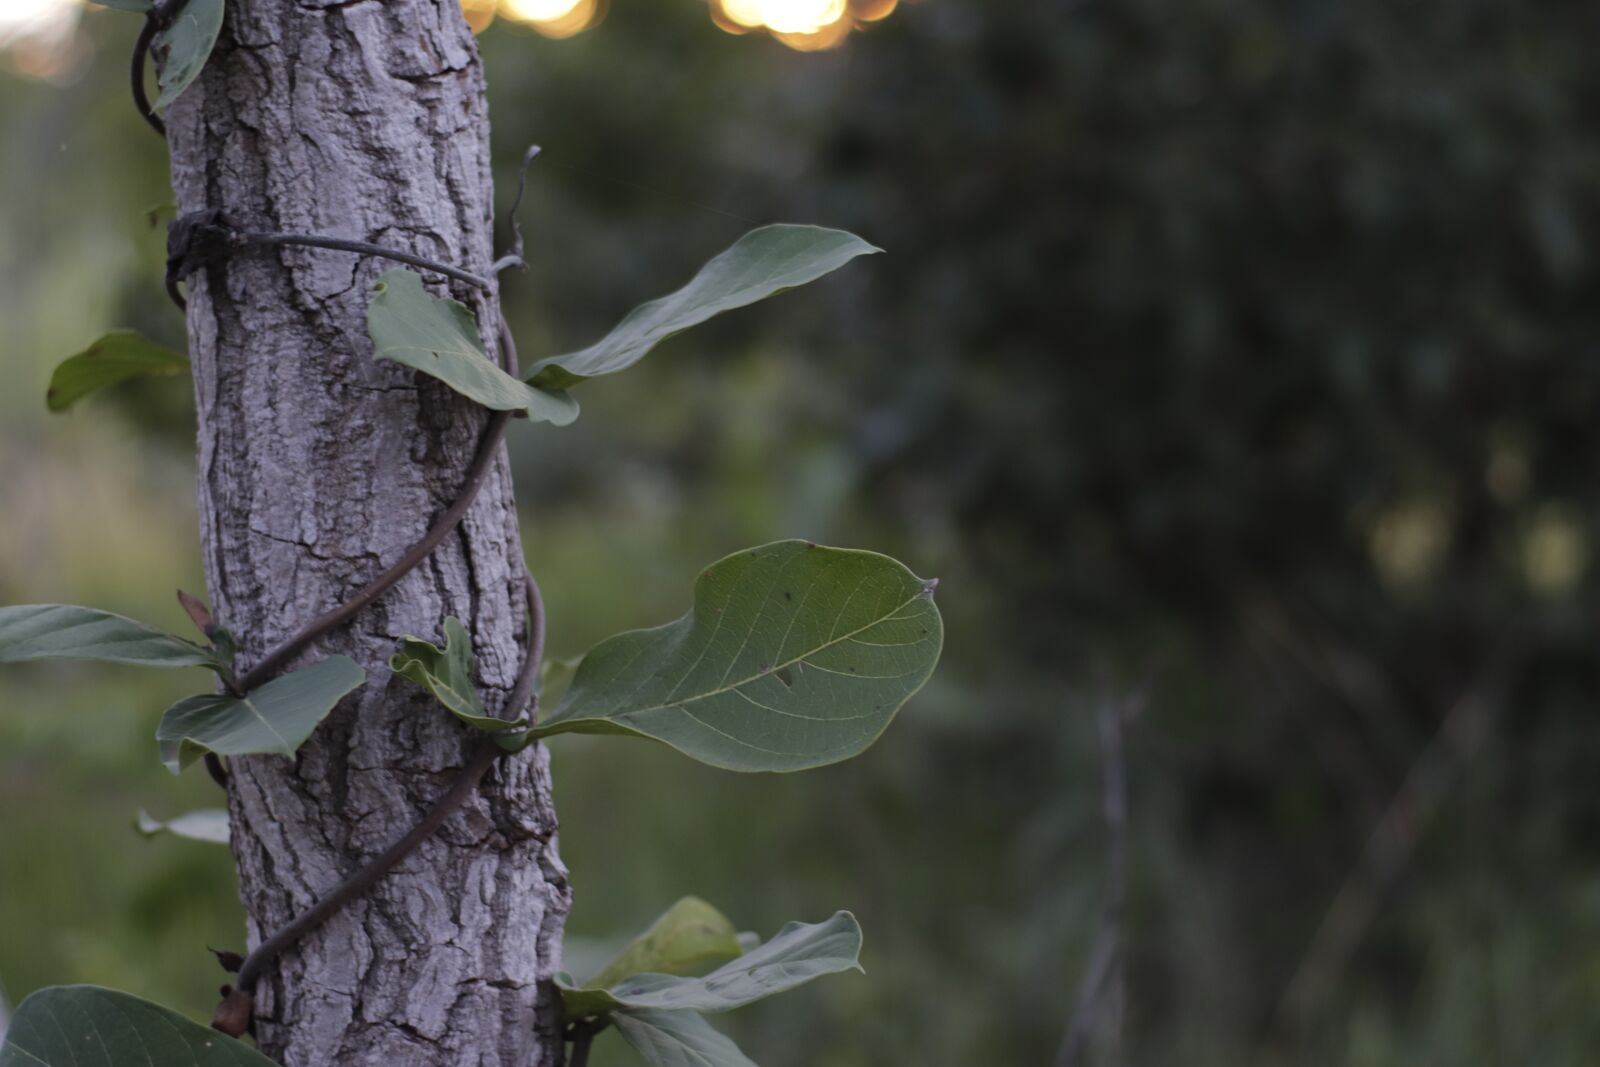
point(318, 467)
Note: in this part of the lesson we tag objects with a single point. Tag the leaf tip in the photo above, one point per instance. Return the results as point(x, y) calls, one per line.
point(197, 611)
point(229, 960)
point(929, 587)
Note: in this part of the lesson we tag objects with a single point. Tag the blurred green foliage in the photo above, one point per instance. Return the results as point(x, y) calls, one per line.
point(1248, 343)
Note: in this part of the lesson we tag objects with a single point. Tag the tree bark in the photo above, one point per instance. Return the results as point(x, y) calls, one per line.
point(318, 467)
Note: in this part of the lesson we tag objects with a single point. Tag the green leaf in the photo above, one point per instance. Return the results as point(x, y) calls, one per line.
point(760, 264)
point(210, 825)
point(678, 1039)
point(116, 357)
point(794, 656)
point(62, 631)
point(799, 953)
point(555, 676)
point(86, 1026)
point(185, 45)
point(447, 673)
point(686, 937)
point(275, 718)
point(440, 337)
point(140, 6)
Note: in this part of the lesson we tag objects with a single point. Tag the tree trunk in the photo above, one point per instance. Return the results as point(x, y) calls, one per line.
point(318, 467)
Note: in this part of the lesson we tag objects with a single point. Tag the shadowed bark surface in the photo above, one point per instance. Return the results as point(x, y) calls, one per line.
point(320, 466)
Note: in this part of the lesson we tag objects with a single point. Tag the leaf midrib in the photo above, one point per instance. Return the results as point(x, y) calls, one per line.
point(288, 749)
point(773, 669)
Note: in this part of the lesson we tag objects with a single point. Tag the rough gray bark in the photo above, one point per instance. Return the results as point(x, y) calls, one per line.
point(320, 466)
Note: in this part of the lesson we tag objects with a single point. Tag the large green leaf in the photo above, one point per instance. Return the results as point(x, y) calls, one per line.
point(440, 337)
point(555, 675)
point(140, 6)
point(185, 45)
point(685, 938)
point(208, 824)
point(86, 1026)
point(678, 1039)
point(275, 718)
point(447, 673)
point(117, 357)
point(761, 263)
point(799, 953)
point(62, 631)
point(794, 656)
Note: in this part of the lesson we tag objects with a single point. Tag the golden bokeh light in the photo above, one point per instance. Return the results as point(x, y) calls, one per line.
point(479, 13)
point(725, 21)
point(872, 10)
point(804, 25)
point(830, 35)
point(539, 10)
point(785, 16)
point(555, 18)
point(745, 13)
point(38, 38)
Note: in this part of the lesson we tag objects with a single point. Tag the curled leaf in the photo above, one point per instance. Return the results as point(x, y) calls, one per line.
point(685, 938)
point(448, 673)
point(439, 337)
point(797, 954)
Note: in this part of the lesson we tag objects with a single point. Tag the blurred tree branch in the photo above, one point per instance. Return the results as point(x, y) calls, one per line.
point(1113, 717)
point(1394, 838)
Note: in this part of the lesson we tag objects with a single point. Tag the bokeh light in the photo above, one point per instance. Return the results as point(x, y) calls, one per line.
point(479, 13)
point(555, 18)
point(785, 16)
point(873, 10)
point(37, 36)
point(804, 25)
point(540, 10)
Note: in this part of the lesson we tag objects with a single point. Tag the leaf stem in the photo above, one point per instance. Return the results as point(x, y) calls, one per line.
point(582, 1035)
point(141, 49)
point(216, 770)
point(522, 694)
point(513, 258)
point(155, 20)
